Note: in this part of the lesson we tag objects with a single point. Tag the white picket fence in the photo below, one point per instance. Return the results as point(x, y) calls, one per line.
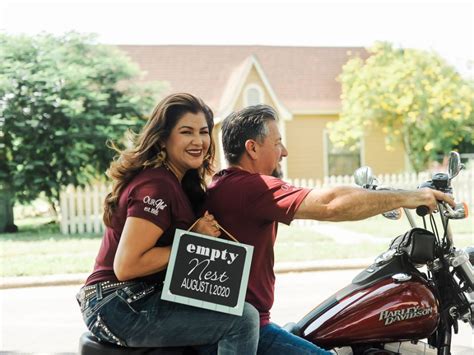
point(81, 208)
point(462, 185)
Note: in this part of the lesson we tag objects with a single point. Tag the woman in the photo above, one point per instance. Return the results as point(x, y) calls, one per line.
point(158, 185)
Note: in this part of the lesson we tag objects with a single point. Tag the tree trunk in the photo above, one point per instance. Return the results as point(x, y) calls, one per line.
point(53, 209)
point(7, 224)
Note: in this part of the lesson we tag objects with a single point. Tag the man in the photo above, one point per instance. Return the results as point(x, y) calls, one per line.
point(248, 199)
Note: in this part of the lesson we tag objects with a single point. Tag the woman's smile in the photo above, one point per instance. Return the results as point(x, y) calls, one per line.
point(195, 152)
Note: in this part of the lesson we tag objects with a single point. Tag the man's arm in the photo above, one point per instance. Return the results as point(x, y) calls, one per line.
point(354, 203)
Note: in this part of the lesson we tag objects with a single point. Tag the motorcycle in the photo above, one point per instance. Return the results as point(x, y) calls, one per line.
point(418, 289)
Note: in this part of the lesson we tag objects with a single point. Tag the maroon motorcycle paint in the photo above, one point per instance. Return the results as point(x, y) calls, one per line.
point(357, 317)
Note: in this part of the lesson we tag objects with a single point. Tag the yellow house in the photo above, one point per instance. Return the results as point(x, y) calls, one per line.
point(299, 82)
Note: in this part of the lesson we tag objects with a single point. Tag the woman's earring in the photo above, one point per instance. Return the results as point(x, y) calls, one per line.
point(205, 161)
point(161, 158)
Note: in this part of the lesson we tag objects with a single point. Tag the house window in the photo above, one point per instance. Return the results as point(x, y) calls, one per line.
point(253, 95)
point(341, 161)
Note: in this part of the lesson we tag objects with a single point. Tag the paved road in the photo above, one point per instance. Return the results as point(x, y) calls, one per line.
point(47, 320)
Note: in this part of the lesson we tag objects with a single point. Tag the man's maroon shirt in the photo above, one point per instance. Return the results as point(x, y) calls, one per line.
point(250, 206)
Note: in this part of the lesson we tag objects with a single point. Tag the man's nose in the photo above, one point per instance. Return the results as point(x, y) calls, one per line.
point(284, 151)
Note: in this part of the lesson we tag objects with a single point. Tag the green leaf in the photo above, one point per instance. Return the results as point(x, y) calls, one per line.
point(412, 95)
point(62, 98)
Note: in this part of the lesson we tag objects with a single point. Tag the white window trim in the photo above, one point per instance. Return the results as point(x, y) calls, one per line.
point(256, 87)
point(326, 151)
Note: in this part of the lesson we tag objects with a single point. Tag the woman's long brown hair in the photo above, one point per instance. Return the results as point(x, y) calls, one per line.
point(145, 148)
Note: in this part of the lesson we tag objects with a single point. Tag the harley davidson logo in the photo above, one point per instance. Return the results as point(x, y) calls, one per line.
point(404, 314)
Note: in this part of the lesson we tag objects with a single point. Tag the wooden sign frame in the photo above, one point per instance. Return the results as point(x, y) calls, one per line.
point(208, 272)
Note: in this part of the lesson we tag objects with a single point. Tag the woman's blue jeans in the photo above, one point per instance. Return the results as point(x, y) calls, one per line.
point(274, 340)
point(136, 316)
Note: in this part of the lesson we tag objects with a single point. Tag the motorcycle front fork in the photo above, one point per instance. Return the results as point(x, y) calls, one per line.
point(441, 338)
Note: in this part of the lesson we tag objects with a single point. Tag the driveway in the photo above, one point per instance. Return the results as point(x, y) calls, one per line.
point(47, 320)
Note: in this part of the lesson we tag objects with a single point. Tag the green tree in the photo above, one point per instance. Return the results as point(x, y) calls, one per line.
point(61, 99)
point(414, 96)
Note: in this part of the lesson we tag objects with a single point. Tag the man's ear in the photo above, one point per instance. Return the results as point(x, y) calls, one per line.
point(251, 148)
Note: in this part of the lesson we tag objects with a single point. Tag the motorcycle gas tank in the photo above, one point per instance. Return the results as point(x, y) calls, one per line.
point(385, 311)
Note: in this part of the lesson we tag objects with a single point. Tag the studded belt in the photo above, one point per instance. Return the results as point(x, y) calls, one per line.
point(100, 289)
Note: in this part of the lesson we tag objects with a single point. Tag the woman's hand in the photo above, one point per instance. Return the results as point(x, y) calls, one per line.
point(207, 225)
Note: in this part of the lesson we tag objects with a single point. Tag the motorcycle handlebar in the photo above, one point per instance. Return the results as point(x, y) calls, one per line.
point(422, 210)
point(458, 212)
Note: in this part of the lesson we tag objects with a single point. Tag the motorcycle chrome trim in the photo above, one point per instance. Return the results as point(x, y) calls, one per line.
point(435, 265)
point(459, 257)
point(454, 313)
point(401, 277)
point(454, 164)
point(410, 218)
point(363, 177)
point(459, 212)
point(385, 256)
point(444, 220)
point(464, 270)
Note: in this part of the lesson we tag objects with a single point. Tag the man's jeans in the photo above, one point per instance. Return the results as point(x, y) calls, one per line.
point(136, 316)
point(275, 340)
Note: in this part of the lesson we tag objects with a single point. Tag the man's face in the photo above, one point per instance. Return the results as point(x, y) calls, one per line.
point(271, 151)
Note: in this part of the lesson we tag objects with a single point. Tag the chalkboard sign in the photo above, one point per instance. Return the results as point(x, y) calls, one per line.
point(207, 272)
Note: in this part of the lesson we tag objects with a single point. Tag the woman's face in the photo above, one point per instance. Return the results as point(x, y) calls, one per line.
point(188, 143)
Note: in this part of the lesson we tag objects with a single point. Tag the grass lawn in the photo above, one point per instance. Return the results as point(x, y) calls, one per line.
point(306, 243)
point(379, 226)
point(40, 249)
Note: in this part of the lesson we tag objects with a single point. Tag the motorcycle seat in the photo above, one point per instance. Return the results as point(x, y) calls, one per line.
point(90, 345)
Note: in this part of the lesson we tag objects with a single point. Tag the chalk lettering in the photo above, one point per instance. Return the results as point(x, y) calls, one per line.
point(214, 254)
point(204, 273)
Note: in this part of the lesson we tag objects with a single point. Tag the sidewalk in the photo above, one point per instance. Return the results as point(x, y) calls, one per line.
point(284, 267)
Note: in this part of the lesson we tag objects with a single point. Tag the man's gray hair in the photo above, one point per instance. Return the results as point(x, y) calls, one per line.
point(240, 126)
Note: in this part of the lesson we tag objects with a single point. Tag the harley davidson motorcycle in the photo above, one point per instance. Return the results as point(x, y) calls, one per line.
point(420, 288)
point(409, 301)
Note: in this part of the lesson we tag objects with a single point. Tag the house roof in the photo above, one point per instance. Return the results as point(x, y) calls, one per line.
point(302, 78)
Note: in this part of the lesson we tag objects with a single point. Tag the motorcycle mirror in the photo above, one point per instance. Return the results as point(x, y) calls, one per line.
point(454, 164)
point(363, 176)
point(393, 214)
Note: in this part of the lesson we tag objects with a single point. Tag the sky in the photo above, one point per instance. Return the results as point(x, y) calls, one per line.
point(446, 27)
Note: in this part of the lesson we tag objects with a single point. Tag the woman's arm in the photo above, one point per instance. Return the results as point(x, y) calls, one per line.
point(137, 255)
